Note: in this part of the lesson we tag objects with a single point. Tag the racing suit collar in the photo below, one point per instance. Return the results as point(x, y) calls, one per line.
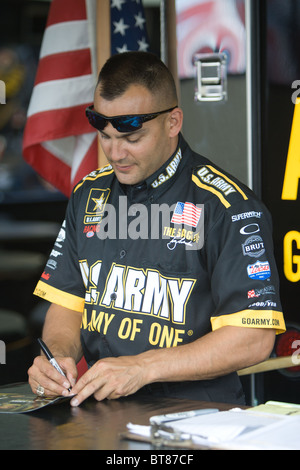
point(165, 176)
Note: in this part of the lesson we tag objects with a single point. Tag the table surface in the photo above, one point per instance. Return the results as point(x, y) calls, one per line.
point(92, 426)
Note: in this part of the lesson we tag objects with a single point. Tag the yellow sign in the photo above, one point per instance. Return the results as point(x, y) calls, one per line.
point(292, 170)
point(290, 259)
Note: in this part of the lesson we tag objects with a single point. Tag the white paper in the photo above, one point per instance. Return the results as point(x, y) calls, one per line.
point(234, 429)
point(140, 430)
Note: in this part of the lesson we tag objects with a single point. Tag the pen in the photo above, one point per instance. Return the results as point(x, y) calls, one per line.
point(50, 357)
point(181, 415)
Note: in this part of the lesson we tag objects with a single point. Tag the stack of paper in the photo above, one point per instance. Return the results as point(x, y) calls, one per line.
point(279, 407)
point(234, 429)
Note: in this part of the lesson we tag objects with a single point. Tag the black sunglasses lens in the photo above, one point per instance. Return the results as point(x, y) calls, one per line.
point(95, 120)
point(122, 123)
point(127, 124)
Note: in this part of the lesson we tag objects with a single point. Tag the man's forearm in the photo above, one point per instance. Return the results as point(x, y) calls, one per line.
point(61, 332)
point(218, 353)
point(213, 355)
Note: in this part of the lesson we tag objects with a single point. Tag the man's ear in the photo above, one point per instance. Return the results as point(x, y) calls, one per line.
point(175, 122)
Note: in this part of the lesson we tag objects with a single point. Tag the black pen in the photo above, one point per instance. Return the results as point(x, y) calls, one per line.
point(50, 357)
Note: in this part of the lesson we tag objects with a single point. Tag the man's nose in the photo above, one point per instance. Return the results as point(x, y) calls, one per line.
point(117, 150)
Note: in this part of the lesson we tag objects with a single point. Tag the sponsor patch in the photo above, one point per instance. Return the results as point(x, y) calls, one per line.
point(61, 235)
point(90, 230)
point(252, 293)
point(264, 291)
point(249, 229)
point(253, 246)
point(51, 264)
point(46, 276)
point(246, 215)
point(96, 205)
point(265, 304)
point(260, 270)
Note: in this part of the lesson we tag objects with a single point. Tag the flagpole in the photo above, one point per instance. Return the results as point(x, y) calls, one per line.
point(169, 39)
point(103, 42)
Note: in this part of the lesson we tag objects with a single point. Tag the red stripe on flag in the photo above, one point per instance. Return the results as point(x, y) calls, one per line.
point(64, 65)
point(87, 163)
point(56, 124)
point(66, 10)
point(44, 162)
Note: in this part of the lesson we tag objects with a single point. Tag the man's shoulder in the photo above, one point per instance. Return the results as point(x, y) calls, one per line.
point(218, 185)
point(104, 175)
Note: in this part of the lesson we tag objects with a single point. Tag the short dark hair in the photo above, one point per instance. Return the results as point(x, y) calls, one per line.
point(136, 68)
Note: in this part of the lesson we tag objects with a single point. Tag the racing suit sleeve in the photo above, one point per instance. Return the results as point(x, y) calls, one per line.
point(61, 282)
point(244, 277)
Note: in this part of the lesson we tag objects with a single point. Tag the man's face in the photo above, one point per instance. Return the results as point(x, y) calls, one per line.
point(136, 155)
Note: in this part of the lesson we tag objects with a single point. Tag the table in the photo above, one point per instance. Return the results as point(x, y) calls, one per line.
point(92, 426)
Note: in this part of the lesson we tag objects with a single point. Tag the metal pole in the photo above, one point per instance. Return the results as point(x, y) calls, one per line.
point(248, 20)
point(254, 73)
point(163, 35)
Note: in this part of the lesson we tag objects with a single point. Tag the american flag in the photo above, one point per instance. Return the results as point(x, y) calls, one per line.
point(128, 26)
point(186, 213)
point(58, 141)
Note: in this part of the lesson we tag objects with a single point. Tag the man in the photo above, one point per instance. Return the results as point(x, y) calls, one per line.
point(175, 310)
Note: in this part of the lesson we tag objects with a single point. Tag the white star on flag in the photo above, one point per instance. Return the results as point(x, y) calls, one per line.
point(143, 45)
point(120, 27)
point(139, 20)
point(129, 33)
point(117, 4)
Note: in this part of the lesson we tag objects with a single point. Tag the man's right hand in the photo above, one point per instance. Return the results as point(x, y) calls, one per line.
point(43, 374)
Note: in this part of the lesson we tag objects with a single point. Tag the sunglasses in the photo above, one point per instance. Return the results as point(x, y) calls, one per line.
point(126, 123)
